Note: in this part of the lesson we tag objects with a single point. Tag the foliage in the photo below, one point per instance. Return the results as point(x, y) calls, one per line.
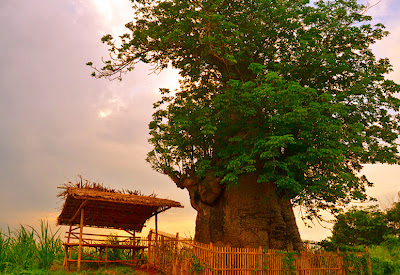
point(197, 266)
point(287, 90)
point(355, 264)
point(363, 227)
point(25, 250)
point(393, 218)
point(289, 263)
point(114, 253)
point(379, 230)
point(49, 245)
point(385, 258)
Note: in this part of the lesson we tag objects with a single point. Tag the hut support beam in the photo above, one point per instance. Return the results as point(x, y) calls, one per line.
point(156, 243)
point(78, 211)
point(65, 264)
point(80, 240)
point(156, 221)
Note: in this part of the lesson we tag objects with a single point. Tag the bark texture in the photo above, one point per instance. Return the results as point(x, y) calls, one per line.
point(247, 215)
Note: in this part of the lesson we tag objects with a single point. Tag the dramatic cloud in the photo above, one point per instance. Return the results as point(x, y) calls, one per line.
point(57, 121)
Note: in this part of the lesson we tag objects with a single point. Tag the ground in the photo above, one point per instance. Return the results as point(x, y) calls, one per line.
point(113, 269)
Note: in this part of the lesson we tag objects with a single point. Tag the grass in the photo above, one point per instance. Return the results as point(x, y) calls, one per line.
point(25, 250)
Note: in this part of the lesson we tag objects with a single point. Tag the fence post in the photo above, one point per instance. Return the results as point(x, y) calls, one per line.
point(149, 249)
point(307, 266)
point(340, 262)
point(162, 250)
point(80, 239)
point(176, 242)
point(175, 261)
point(212, 259)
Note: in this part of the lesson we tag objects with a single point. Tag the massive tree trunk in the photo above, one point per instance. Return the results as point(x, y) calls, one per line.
point(249, 214)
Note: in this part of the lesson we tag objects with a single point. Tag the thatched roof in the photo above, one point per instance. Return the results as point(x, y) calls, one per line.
point(108, 208)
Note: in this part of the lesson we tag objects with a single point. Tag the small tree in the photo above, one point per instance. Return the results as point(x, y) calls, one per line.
point(366, 226)
point(393, 217)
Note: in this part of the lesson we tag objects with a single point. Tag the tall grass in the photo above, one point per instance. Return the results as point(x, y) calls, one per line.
point(48, 245)
point(22, 250)
point(4, 247)
point(26, 248)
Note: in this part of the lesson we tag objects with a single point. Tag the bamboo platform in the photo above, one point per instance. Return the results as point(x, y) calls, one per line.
point(95, 248)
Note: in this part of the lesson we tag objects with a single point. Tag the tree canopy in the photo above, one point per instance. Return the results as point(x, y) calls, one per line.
point(287, 90)
point(360, 227)
point(364, 226)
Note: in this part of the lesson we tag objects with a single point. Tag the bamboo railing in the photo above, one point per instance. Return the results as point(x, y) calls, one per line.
point(102, 249)
point(176, 256)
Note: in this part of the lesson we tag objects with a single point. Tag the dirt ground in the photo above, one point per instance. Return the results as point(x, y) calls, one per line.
point(111, 270)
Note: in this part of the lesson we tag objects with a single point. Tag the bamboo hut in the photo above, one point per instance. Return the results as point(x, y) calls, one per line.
point(92, 205)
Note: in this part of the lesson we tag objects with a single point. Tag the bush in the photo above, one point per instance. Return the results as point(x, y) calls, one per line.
point(385, 258)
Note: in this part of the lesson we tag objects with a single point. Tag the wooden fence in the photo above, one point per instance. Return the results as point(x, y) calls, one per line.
point(177, 256)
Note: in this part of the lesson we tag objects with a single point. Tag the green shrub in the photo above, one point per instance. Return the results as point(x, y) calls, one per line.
point(385, 258)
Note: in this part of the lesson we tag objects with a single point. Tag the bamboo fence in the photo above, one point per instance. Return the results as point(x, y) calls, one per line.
point(176, 256)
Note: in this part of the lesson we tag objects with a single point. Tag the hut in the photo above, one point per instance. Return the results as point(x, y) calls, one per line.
point(92, 205)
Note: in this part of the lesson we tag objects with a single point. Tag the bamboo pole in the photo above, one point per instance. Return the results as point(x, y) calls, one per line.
point(156, 242)
point(65, 264)
point(156, 223)
point(79, 210)
point(80, 240)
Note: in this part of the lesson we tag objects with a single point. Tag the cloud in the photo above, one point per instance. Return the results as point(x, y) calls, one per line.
point(49, 104)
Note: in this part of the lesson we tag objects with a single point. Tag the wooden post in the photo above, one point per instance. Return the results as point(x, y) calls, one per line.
point(65, 264)
point(69, 233)
point(106, 260)
point(212, 261)
point(176, 242)
point(80, 240)
point(175, 255)
point(259, 259)
point(149, 251)
point(156, 221)
point(156, 250)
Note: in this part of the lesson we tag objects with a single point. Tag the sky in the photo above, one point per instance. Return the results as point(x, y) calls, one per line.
point(57, 122)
